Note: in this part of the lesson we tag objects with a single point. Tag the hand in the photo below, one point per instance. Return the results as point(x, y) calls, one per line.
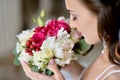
point(74, 68)
point(39, 76)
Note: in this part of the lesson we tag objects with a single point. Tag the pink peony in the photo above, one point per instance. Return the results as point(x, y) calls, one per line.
point(75, 35)
point(54, 25)
point(41, 29)
point(37, 39)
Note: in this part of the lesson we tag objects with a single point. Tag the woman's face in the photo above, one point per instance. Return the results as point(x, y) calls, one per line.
point(84, 20)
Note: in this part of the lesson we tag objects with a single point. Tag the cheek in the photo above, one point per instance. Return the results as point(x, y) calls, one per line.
point(88, 27)
point(73, 24)
point(81, 25)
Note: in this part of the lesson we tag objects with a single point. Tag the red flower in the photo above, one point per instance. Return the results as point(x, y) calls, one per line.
point(54, 26)
point(37, 39)
point(41, 29)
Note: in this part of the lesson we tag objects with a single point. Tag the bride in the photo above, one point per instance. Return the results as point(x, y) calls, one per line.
point(97, 20)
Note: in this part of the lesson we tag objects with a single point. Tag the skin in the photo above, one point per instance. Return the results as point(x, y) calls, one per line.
point(86, 22)
point(37, 76)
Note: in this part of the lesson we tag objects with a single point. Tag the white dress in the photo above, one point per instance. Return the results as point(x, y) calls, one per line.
point(109, 74)
point(99, 77)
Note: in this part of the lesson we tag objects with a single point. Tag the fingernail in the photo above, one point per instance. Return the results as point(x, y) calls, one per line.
point(52, 61)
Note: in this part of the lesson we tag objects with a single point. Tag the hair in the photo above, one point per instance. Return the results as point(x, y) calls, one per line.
point(108, 12)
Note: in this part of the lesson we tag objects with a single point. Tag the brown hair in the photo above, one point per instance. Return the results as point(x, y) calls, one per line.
point(108, 12)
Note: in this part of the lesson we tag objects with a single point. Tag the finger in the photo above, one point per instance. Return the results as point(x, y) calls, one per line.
point(33, 75)
point(53, 67)
point(26, 69)
point(25, 66)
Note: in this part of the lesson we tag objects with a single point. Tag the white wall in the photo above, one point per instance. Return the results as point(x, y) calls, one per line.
point(10, 24)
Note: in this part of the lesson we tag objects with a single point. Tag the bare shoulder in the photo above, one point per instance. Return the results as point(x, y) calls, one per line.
point(115, 76)
point(102, 68)
point(96, 68)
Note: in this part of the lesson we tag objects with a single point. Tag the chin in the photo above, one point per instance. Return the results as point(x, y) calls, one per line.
point(92, 41)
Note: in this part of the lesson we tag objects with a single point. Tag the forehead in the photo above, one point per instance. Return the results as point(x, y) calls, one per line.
point(74, 5)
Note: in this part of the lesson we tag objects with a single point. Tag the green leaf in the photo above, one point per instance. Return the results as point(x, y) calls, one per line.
point(34, 20)
point(49, 72)
point(16, 61)
point(14, 52)
point(81, 47)
point(42, 14)
point(40, 22)
point(35, 69)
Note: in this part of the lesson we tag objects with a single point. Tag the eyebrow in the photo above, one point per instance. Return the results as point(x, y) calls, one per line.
point(70, 11)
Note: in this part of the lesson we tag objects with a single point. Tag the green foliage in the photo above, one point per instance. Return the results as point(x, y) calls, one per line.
point(16, 61)
point(40, 21)
point(49, 72)
point(35, 69)
point(81, 47)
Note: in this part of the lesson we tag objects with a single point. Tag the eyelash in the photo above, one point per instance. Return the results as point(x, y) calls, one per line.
point(74, 18)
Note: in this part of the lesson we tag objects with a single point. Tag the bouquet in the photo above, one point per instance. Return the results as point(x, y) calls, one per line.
point(53, 39)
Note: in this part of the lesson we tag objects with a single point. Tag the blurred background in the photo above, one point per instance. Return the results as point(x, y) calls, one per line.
point(15, 16)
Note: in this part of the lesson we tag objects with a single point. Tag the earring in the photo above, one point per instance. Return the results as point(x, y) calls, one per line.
point(104, 45)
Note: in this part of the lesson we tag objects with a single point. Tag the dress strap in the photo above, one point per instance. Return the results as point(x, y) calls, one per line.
point(112, 72)
point(111, 66)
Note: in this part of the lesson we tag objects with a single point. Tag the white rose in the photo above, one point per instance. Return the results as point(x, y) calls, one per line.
point(25, 35)
point(24, 56)
point(59, 52)
point(48, 43)
point(68, 45)
point(37, 56)
point(19, 47)
point(62, 35)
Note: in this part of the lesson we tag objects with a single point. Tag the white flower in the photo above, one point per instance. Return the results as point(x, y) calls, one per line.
point(38, 59)
point(67, 58)
point(68, 45)
point(24, 56)
point(40, 65)
point(75, 35)
point(62, 35)
point(19, 47)
point(62, 62)
point(42, 55)
point(48, 43)
point(59, 52)
point(37, 56)
point(63, 48)
point(25, 35)
point(41, 58)
point(63, 18)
